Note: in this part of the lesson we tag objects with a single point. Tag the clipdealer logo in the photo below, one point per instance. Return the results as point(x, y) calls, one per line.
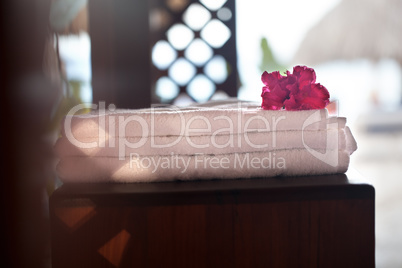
point(237, 130)
point(329, 156)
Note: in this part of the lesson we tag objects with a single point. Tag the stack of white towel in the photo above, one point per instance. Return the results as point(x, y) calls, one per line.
point(216, 140)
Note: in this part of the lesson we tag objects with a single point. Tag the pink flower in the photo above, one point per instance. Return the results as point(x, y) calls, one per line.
point(297, 91)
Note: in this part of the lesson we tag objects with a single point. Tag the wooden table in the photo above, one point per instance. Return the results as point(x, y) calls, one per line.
point(317, 221)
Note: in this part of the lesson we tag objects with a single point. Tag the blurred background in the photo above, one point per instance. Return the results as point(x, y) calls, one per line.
point(134, 53)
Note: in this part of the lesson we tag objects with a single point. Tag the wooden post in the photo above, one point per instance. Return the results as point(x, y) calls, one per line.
point(120, 52)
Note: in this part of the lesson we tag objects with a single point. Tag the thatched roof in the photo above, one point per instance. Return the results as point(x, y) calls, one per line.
point(355, 29)
point(69, 16)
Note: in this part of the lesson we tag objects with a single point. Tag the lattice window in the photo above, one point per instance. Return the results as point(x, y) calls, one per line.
point(193, 49)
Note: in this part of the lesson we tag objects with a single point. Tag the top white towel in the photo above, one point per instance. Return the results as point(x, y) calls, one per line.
point(211, 119)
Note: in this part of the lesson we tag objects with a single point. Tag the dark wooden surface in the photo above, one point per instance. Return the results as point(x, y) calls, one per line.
point(318, 221)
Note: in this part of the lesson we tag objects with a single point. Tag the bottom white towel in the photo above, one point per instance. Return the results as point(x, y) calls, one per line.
point(136, 168)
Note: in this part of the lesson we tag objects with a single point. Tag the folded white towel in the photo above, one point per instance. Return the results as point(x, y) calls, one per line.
point(218, 140)
point(200, 166)
point(192, 121)
point(121, 147)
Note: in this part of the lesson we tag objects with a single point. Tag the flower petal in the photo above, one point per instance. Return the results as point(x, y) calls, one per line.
point(304, 75)
point(271, 101)
point(314, 103)
point(270, 79)
point(319, 91)
point(291, 104)
point(273, 94)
